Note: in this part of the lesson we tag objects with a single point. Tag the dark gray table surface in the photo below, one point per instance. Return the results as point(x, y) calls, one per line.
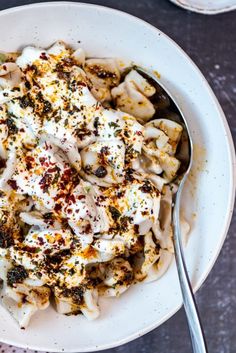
point(211, 42)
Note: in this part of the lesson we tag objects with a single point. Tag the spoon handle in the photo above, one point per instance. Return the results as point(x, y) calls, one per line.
point(195, 327)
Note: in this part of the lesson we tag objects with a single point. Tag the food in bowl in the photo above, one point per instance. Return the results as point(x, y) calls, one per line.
point(89, 153)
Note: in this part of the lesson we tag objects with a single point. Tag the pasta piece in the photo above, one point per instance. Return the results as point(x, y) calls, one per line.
point(90, 307)
point(150, 163)
point(69, 300)
point(135, 204)
point(3, 134)
point(103, 162)
point(158, 269)
point(5, 265)
point(44, 173)
point(36, 218)
point(7, 94)
point(103, 74)
point(114, 247)
point(161, 140)
point(9, 169)
point(8, 56)
point(133, 136)
point(79, 57)
point(21, 313)
point(150, 254)
point(70, 149)
point(48, 241)
point(154, 263)
point(9, 227)
point(82, 214)
point(10, 75)
point(75, 300)
point(23, 301)
point(164, 133)
point(118, 277)
point(132, 95)
point(163, 228)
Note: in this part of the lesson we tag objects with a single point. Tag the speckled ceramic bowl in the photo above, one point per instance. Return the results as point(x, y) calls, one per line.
point(209, 195)
point(207, 7)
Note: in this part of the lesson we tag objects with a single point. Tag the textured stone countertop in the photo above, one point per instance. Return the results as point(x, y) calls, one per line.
point(211, 42)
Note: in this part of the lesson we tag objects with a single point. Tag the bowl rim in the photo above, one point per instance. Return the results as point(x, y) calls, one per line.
point(232, 181)
point(202, 10)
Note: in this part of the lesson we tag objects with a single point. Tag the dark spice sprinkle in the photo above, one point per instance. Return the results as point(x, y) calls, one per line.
point(82, 133)
point(47, 107)
point(117, 132)
point(17, 274)
point(129, 175)
point(105, 150)
point(57, 258)
point(100, 172)
point(75, 293)
point(48, 215)
point(115, 213)
point(30, 249)
point(27, 84)
point(2, 163)
point(96, 126)
point(136, 228)
point(12, 184)
point(113, 124)
point(124, 222)
point(12, 128)
point(26, 101)
point(146, 187)
point(6, 239)
point(101, 72)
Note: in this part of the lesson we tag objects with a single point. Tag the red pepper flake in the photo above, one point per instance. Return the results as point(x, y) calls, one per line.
point(45, 182)
point(29, 162)
point(66, 175)
point(43, 56)
point(81, 83)
point(87, 229)
point(70, 199)
point(97, 106)
point(42, 160)
point(81, 197)
point(41, 240)
point(139, 133)
point(52, 170)
point(58, 207)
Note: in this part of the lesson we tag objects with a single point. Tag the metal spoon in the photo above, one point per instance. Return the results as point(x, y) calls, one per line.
point(195, 327)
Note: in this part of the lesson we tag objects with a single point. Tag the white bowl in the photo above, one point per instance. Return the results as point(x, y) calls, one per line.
point(209, 195)
point(207, 7)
